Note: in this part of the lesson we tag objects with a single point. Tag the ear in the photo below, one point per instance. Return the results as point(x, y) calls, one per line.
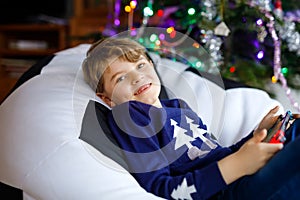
point(106, 99)
point(150, 61)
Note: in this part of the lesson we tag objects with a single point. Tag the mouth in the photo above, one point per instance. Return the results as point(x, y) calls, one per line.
point(143, 88)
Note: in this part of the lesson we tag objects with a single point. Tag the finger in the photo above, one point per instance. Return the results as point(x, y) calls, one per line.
point(272, 113)
point(296, 115)
point(274, 110)
point(275, 118)
point(260, 135)
point(273, 148)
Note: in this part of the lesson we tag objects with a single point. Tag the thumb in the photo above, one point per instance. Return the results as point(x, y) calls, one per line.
point(260, 135)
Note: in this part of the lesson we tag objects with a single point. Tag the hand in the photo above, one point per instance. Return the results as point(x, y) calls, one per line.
point(252, 156)
point(295, 116)
point(268, 121)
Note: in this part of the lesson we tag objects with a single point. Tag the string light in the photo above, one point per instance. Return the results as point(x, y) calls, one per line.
point(173, 34)
point(278, 75)
point(133, 4)
point(162, 36)
point(127, 9)
point(284, 70)
point(259, 22)
point(157, 42)
point(117, 13)
point(260, 55)
point(117, 22)
point(130, 9)
point(160, 13)
point(170, 29)
point(148, 11)
point(133, 32)
point(145, 19)
point(141, 40)
point(232, 69)
point(153, 37)
point(196, 45)
point(279, 72)
point(191, 11)
point(198, 64)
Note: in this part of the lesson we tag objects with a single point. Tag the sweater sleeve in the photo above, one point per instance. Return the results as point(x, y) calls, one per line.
point(238, 145)
point(197, 184)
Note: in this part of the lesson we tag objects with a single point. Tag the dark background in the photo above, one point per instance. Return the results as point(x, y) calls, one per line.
point(27, 11)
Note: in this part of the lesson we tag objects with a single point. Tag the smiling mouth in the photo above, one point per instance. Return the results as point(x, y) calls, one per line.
point(142, 88)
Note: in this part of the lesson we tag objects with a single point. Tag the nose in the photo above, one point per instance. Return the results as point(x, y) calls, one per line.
point(136, 77)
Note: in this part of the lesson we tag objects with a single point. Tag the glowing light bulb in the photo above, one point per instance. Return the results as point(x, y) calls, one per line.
point(162, 36)
point(173, 34)
point(133, 32)
point(196, 45)
point(170, 29)
point(191, 11)
point(284, 70)
point(127, 9)
point(117, 22)
point(133, 4)
point(148, 11)
point(153, 37)
point(259, 22)
point(198, 64)
point(260, 55)
point(141, 40)
point(274, 79)
point(160, 13)
point(232, 69)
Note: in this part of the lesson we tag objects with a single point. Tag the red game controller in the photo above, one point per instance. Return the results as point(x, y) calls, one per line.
point(276, 134)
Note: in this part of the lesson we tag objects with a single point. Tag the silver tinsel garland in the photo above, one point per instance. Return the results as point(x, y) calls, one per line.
point(288, 33)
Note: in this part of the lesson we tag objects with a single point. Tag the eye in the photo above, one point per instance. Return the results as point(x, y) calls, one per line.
point(121, 78)
point(141, 65)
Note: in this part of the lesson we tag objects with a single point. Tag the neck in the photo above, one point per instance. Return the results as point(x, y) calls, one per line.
point(157, 104)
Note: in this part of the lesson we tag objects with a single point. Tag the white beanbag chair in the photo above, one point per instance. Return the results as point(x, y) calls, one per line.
point(42, 154)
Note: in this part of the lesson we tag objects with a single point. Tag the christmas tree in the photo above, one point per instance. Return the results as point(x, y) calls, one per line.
point(251, 41)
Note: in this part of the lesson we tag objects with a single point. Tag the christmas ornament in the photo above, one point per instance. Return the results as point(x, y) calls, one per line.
point(278, 9)
point(209, 28)
point(222, 29)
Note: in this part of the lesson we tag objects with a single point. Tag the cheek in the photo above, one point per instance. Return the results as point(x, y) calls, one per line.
point(120, 92)
point(150, 72)
point(156, 79)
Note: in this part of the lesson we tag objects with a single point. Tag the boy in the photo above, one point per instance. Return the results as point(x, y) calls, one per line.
point(166, 145)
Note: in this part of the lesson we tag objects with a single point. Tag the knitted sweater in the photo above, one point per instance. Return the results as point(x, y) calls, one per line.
point(168, 150)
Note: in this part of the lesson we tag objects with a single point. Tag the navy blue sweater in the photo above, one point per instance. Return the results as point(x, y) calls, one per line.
point(168, 150)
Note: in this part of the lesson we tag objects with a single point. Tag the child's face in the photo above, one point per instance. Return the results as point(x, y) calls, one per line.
point(125, 81)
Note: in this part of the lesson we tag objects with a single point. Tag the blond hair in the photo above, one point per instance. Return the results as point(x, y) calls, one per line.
point(102, 53)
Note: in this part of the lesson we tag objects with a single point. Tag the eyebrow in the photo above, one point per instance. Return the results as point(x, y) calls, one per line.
point(116, 74)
